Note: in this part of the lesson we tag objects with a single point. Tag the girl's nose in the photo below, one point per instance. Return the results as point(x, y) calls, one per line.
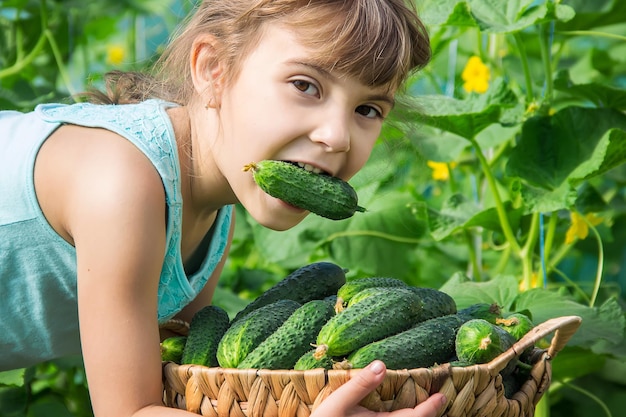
point(333, 132)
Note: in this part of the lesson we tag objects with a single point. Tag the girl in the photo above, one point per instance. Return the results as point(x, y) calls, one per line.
point(117, 214)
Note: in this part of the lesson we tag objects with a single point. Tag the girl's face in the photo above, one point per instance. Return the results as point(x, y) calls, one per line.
point(282, 106)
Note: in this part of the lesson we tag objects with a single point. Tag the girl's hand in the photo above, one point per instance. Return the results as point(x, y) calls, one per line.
point(344, 401)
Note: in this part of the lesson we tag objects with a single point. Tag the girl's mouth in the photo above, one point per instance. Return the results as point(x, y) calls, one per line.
point(308, 167)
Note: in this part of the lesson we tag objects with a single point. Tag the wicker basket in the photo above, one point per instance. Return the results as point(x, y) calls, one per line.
point(475, 391)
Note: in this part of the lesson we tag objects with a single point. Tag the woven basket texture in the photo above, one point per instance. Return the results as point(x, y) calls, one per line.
point(473, 391)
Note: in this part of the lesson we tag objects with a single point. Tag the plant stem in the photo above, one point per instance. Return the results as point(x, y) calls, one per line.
point(593, 33)
point(371, 233)
point(590, 395)
point(599, 272)
point(473, 254)
point(544, 46)
point(526, 252)
point(524, 59)
point(502, 216)
point(58, 57)
point(26, 60)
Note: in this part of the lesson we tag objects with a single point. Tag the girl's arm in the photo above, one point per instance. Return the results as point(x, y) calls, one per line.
point(115, 214)
point(116, 219)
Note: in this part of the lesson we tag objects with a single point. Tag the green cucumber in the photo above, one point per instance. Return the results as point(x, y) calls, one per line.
point(244, 335)
point(423, 345)
point(324, 195)
point(308, 361)
point(310, 282)
point(283, 348)
point(371, 319)
point(486, 311)
point(353, 287)
point(172, 349)
point(517, 324)
point(436, 303)
point(479, 341)
point(206, 329)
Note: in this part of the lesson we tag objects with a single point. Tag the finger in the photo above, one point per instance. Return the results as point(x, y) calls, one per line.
point(353, 391)
point(432, 406)
point(429, 408)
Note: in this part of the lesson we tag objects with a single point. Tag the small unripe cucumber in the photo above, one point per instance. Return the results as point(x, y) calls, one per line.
point(310, 282)
point(324, 195)
point(421, 346)
point(479, 341)
point(172, 348)
point(517, 324)
point(243, 336)
point(373, 318)
point(283, 348)
point(206, 329)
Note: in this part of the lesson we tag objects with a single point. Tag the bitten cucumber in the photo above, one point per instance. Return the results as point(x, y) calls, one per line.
point(371, 319)
point(206, 329)
point(310, 282)
point(283, 348)
point(324, 195)
point(243, 336)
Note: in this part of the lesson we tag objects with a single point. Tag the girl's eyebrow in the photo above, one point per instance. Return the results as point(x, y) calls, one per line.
point(327, 74)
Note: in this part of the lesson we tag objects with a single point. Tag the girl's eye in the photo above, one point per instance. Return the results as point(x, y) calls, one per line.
point(306, 87)
point(369, 112)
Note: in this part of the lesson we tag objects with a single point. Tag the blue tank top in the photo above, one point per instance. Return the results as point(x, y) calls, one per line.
point(38, 307)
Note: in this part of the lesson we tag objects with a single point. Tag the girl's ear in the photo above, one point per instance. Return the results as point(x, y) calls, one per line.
point(206, 70)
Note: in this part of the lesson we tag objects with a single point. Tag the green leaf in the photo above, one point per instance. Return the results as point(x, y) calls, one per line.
point(575, 144)
point(601, 95)
point(502, 290)
point(465, 118)
point(540, 200)
point(594, 14)
point(446, 12)
point(601, 327)
point(13, 377)
point(382, 240)
point(496, 16)
point(573, 362)
point(459, 213)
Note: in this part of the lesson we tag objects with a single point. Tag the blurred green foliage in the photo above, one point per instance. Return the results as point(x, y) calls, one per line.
point(514, 194)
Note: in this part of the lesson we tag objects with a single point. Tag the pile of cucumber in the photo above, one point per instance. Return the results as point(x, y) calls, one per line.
point(315, 318)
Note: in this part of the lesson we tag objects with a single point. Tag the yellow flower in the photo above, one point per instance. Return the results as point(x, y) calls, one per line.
point(441, 170)
point(476, 75)
point(534, 282)
point(115, 54)
point(580, 226)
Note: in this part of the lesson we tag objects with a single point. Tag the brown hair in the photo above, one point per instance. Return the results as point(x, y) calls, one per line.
point(378, 41)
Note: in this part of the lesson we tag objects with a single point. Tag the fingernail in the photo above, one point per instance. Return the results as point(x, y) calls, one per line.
point(443, 400)
point(377, 367)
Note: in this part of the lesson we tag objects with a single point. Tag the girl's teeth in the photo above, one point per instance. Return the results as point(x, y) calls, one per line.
point(310, 168)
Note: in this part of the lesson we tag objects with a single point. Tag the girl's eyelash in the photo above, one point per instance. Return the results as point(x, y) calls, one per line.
point(299, 84)
point(304, 85)
point(379, 114)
